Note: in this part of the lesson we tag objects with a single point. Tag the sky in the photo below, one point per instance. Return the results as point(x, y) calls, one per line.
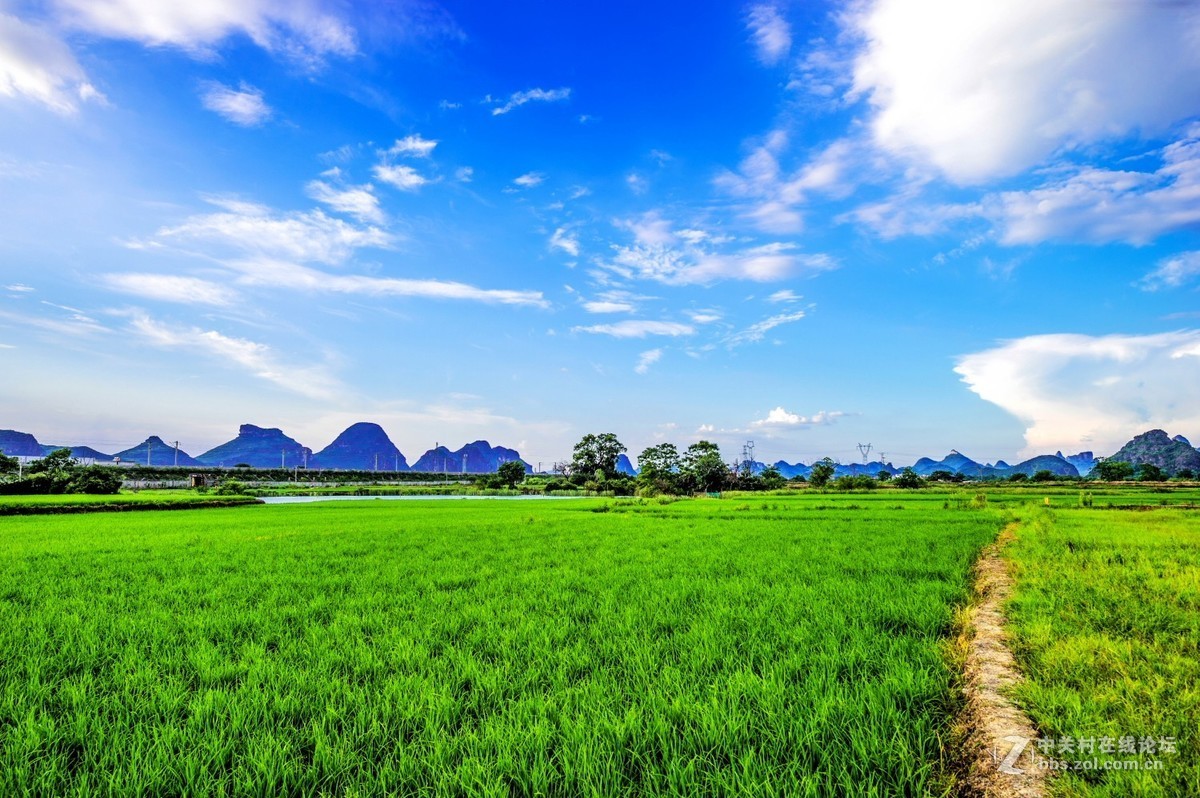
point(919, 224)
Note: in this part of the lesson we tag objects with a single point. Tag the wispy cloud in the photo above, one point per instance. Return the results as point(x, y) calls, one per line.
point(647, 359)
point(757, 331)
point(786, 295)
point(35, 64)
point(402, 177)
point(638, 329)
point(250, 227)
point(243, 106)
point(771, 33)
point(170, 288)
point(358, 201)
point(413, 146)
point(1173, 272)
point(779, 417)
point(530, 179)
point(564, 240)
point(532, 95)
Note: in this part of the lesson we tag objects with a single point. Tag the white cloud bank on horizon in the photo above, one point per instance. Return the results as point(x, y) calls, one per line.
point(1076, 392)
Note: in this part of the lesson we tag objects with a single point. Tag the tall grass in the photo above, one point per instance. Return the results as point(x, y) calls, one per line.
point(483, 648)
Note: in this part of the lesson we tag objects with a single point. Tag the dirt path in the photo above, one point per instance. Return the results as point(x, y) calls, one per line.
point(999, 736)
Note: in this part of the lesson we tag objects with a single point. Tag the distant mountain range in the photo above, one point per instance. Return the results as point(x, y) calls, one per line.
point(366, 447)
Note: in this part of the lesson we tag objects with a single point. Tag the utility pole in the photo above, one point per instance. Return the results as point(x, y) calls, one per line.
point(177, 454)
point(148, 447)
point(283, 458)
point(377, 461)
point(464, 462)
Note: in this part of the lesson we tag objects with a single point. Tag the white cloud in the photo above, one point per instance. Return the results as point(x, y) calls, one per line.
point(37, 65)
point(243, 106)
point(782, 418)
point(18, 287)
point(980, 91)
point(464, 174)
point(562, 239)
point(302, 236)
point(1173, 272)
point(786, 295)
point(637, 184)
point(704, 316)
point(170, 288)
point(530, 179)
point(282, 274)
point(757, 331)
point(638, 329)
point(256, 358)
point(414, 146)
point(532, 95)
point(1100, 205)
point(358, 201)
point(301, 31)
point(402, 177)
point(689, 265)
point(771, 33)
point(647, 359)
point(1077, 392)
point(607, 306)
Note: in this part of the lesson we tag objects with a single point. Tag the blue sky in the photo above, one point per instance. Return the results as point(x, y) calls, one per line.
point(920, 225)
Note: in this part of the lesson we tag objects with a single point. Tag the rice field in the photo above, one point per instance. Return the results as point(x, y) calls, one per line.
point(758, 646)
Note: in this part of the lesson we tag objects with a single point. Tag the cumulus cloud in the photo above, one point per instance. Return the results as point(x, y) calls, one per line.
point(1173, 272)
point(301, 31)
point(402, 177)
point(779, 417)
point(358, 201)
point(170, 288)
point(979, 91)
point(771, 34)
point(647, 359)
point(638, 329)
point(36, 65)
point(251, 228)
point(532, 95)
point(1077, 392)
point(243, 106)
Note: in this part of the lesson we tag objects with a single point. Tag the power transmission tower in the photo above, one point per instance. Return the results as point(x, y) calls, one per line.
point(748, 458)
point(865, 450)
point(883, 457)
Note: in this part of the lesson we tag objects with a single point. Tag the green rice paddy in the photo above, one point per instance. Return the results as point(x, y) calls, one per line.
point(751, 645)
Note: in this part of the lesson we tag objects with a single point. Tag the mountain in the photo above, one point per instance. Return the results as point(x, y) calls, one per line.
point(1045, 462)
point(479, 457)
point(955, 463)
point(625, 467)
point(1158, 448)
point(19, 444)
point(361, 447)
point(80, 452)
point(1084, 462)
point(161, 454)
point(260, 448)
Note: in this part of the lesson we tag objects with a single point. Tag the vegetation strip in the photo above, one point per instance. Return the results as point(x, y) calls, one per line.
point(121, 507)
point(994, 725)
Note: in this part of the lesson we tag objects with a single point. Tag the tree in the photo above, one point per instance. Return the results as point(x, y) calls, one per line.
point(9, 465)
point(1044, 475)
point(94, 479)
point(659, 467)
point(908, 479)
point(58, 463)
point(771, 479)
point(883, 476)
point(596, 456)
point(821, 473)
point(1020, 476)
point(1148, 472)
point(1114, 470)
point(511, 473)
point(1185, 474)
point(703, 466)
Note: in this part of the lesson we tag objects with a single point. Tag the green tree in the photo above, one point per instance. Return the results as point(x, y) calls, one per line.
point(703, 466)
point(659, 467)
point(59, 462)
point(1113, 470)
point(1148, 472)
point(95, 479)
point(771, 479)
point(1185, 474)
point(883, 476)
point(822, 472)
point(908, 479)
point(1044, 475)
point(511, 473)
point(1019, 476)
point(9, 465)
point(596, 456)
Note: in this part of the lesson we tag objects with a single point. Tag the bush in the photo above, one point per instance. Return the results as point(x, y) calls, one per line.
point(230, 487)
point(96, 480)
point(856, 482)
point(1045, 475)
point(908, 479)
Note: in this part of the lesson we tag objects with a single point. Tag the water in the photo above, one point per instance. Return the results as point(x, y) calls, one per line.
point(307, 499)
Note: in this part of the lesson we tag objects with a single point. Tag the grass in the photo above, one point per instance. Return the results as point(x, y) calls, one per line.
point(1106, 624)
point(143, 500)
point(745, 646)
